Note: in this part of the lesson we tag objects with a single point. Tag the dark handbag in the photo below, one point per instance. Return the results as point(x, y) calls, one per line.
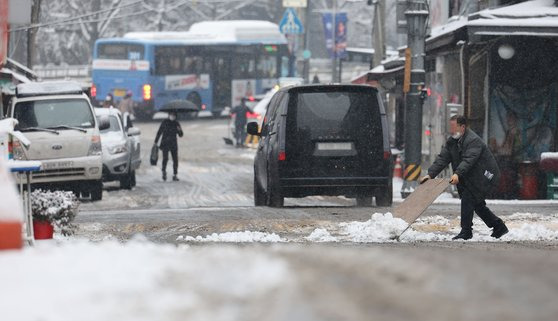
point(154, 154)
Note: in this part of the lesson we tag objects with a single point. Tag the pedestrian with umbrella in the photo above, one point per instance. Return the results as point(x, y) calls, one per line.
point(168, 131)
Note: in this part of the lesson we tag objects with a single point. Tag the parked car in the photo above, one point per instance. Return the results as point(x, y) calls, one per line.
point(121, 148)
point(323, 140)
point(58, 120)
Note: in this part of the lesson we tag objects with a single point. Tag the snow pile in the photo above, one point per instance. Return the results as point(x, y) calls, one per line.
point(235, 237)
point(321, 235)
point(380, 228)
point(531, 232)
point(136, 281)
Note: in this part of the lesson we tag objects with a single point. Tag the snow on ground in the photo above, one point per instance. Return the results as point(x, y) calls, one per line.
point(136, 281)
point(235, 237)
point(383, 228)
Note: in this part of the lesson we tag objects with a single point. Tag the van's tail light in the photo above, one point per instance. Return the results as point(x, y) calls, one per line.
point(93, 91)
point(146, 92)
point(15, 150)
point(282, 155)
point(95, 148)
point(387, 155)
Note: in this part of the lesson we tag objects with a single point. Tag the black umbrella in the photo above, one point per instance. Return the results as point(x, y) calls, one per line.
point(179, 106)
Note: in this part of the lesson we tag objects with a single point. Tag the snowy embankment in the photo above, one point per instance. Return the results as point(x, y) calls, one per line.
point(385, 228)
point(139, 280)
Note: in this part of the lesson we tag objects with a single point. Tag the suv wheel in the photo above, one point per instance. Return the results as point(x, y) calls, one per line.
point(133, 178)
point(126, 180)
point(97, 191)
point(384, 197)
point(364, 201)
point(259, 194)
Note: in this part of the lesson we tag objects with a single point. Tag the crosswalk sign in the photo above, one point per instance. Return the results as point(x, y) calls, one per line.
point(290, 23)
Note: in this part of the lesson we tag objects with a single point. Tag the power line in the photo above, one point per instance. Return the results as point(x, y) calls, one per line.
point(46, 24)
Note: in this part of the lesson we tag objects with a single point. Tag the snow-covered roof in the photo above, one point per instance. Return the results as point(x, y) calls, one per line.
point(535, 13)
point(519, 19)
point(454, 23)
point(230, 31)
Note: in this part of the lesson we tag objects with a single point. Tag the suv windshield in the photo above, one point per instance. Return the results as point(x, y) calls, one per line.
point(325, 113)
point(53, 113)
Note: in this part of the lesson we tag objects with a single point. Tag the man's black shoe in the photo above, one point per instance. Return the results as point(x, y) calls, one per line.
point(175, 179)
point(164, 176)
point(463, 235)
point(499, 230)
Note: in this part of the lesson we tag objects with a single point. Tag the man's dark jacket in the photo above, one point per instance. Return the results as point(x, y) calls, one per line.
point(472, 161)
point(168, 129)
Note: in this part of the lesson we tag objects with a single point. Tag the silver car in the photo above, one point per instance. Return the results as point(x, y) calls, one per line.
point(121, 148)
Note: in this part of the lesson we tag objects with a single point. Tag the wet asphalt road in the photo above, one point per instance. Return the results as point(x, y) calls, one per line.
point(336, 281)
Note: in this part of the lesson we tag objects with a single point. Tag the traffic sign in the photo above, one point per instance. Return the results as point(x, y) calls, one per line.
point(290, 23)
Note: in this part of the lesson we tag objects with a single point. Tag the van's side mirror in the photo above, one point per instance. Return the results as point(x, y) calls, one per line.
point(104, 123)
point(133, 131)
point(253, 129)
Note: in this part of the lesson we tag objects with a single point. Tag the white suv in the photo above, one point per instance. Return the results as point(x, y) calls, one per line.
point(58, 119)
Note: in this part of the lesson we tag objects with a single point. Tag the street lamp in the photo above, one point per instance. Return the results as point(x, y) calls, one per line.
point(506, 51)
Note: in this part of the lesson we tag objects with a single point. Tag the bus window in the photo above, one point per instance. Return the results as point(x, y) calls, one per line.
point(120, 51)
point(244, 67)
point(267, 66)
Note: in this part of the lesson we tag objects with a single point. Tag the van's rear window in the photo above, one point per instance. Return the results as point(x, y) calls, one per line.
point(54, 112)
point(330, 112)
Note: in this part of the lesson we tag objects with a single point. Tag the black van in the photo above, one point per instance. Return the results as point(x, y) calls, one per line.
point(323, 140)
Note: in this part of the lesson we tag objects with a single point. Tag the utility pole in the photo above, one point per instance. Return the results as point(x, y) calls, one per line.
point(416, 14)
point(306, 66)
point(32, 33)
point(334, 60)
point(379, 32)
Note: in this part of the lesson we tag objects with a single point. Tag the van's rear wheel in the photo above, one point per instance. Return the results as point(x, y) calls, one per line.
point(275, 198)
point(259, 194)
point(364, 201)
point(384, 197)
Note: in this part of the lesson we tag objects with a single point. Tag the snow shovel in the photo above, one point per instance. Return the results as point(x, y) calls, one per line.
point(416, 203)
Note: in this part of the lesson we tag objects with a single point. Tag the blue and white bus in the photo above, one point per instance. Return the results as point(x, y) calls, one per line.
point(214, 65)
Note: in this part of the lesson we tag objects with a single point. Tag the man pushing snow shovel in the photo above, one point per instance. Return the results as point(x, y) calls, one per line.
point(475, 173)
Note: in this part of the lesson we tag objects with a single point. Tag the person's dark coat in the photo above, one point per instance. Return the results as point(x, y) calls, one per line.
point(169, 129)
point(472, 161)
point(240, 115)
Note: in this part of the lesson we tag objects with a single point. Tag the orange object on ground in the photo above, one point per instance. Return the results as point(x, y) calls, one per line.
point(397, 171)
point(10, 235)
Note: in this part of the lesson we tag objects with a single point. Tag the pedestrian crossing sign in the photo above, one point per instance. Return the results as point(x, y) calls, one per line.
point(290, 23)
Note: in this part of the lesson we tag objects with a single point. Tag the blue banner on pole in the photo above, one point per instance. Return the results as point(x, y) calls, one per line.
point(337, 48)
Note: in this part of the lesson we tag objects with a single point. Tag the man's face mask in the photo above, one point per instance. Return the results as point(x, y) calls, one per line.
point(172, 117)
point(457, 135)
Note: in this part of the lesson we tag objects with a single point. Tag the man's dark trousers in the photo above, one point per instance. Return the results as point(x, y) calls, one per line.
point(174, 154)
point(469, 205)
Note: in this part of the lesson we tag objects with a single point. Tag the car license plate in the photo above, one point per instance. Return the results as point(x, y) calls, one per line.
point(119, 92)
point(334, 146)
point(56, 165)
